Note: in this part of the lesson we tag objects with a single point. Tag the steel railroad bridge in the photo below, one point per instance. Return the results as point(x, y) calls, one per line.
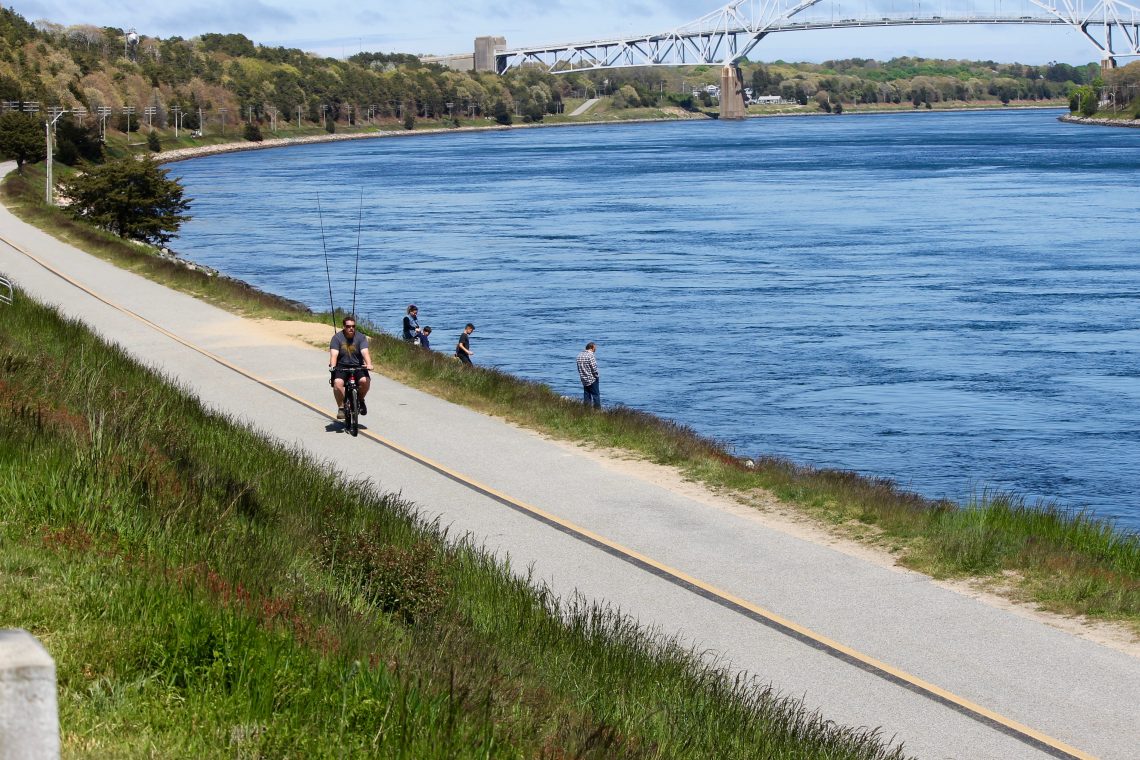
point(728, 34)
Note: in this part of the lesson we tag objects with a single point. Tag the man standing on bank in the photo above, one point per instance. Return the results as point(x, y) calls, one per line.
point(588, 374)
point(349, 350)
point(463, 347)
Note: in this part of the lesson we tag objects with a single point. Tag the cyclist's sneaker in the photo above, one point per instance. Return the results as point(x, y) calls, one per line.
point(363, 408)
point(340, 412)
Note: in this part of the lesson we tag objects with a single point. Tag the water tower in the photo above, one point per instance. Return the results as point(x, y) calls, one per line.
point(132, 44)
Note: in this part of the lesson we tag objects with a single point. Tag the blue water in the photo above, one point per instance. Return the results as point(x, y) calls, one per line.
point(948, 300)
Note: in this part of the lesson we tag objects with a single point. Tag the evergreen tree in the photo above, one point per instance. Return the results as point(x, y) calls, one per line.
point(22, 138)
point(253, 133)
point(153, 142)
point(130, 197)
point(501, 114)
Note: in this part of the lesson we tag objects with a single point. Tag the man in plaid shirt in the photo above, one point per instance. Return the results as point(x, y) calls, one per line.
point(588, 373)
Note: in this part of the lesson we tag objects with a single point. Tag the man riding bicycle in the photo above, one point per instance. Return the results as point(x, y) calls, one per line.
point(348, 350)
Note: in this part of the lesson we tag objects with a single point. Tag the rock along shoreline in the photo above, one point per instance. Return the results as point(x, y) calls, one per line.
point(1070, 119)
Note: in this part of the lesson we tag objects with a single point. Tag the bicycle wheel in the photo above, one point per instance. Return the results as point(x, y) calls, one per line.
point(352, 410)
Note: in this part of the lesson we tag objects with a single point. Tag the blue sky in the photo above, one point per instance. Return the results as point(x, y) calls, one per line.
point(339, 28)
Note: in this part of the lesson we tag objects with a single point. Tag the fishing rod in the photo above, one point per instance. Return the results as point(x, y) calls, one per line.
point(355, 274)
point(328, 276)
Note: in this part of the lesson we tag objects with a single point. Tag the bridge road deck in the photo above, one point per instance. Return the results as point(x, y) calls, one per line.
point(1069, 688)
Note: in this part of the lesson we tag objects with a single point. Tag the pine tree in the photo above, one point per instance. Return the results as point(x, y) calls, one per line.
point(22, 138)
point(130, 197)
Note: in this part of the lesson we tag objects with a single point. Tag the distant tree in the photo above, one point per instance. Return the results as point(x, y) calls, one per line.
point(409, 120)
point(126, 121)
point(533, 111)
point(1083, 100)
point(330, 126)
point(1090, 103)
point(501, 113)
point(252, 133)
point(837, 108)
point(22, 138)
point(133, 198)
point(75, 141)
point(760, 80)
point(152, 141)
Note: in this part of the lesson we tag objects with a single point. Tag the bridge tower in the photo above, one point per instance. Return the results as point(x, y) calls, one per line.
point(731, 92)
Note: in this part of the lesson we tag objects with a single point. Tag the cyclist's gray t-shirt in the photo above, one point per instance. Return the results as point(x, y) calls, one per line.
point(348, 354)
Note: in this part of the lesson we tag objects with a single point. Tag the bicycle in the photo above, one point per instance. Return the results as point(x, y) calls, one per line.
point(351, 400)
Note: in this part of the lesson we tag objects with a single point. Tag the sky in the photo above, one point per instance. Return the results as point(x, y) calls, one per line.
point(338, 28)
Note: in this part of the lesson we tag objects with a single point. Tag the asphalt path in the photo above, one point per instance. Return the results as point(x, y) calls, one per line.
point(869, 646)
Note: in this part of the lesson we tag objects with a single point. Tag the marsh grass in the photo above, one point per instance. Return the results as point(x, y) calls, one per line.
point(1064, 560)
point(206, 593)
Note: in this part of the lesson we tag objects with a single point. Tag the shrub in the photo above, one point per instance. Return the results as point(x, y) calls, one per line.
point(409, 120)
point(253, 133)
point(152, 141)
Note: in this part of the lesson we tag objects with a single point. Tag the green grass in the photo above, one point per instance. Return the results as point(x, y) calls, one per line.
point(1064, 561)
point(206, 593)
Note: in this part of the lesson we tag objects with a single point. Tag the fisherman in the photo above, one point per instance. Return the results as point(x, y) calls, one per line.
point(589, 375)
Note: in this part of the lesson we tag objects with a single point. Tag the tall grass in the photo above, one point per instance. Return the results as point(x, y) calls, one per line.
point(206, 593)
point(1064, 560)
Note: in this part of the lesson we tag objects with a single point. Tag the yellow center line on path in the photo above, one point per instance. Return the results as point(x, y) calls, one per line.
point(997, 721)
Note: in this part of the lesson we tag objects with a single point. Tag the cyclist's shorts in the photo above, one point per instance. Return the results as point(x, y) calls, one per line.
point(341, 373)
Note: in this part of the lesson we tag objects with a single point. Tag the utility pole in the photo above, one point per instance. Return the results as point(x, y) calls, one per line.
point(201, 124)
point(104, 112)
point(177, 111)
point(49, 190)
point(222, 111)
point(298, 117)
point(128, 110)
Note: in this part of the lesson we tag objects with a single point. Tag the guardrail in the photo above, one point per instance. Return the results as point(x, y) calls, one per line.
point(5, 290)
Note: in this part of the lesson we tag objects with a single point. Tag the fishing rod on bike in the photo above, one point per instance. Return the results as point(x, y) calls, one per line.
point(328, 275)
point(356, 273)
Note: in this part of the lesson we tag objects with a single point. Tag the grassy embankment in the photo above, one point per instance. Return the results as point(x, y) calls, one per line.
point(1064, 561)
point(206, 593)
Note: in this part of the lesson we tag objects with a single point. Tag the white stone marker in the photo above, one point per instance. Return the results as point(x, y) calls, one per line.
point(29, 715)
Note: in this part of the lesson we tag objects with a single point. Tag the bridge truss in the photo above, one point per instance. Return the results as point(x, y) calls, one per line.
point(728, 34)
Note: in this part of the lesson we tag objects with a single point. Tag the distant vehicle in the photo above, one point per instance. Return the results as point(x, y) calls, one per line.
point(936, 18)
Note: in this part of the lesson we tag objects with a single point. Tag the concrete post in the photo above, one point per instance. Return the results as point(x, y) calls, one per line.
point(29, 715)
point(731, 92)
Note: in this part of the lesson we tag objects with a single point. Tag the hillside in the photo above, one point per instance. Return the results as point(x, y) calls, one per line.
point(228, 79)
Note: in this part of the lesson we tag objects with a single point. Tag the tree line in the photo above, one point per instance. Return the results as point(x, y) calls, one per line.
point(183, 80)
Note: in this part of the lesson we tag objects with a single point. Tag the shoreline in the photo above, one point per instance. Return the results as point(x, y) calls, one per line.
point(1091, 121)
point(186, 154)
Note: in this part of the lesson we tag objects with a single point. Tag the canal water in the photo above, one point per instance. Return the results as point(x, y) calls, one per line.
point(950, 300)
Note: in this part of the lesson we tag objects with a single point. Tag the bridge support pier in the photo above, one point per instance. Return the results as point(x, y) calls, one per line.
point(731, 92)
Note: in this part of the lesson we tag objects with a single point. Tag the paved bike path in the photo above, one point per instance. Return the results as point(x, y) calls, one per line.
point(1070, 689)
